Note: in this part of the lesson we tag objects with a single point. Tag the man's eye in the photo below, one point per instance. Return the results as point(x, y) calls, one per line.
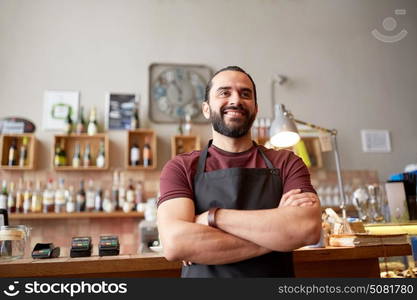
point(245, 94)
point(224, 93)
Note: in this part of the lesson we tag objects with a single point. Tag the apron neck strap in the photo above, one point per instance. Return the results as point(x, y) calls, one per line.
point(203, 157)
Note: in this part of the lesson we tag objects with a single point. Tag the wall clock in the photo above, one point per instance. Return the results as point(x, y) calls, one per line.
point(177, 90)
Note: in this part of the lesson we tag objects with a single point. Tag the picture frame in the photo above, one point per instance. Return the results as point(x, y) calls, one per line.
point(56, 106)
point(119, 109)
point(176, 90)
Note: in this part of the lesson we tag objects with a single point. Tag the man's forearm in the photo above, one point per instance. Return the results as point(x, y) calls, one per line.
point(279, 229)
point(206, 245)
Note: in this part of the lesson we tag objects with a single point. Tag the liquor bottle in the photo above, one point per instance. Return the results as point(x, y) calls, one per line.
point(68, 123)
point(27, 197)
point(37, 198)
point(11, 199)
point(134, 119)
point(187, 125)
point(60, 158)
point(71, 203)
point(90, 196)
point(115, 189)
point(48, 200)
point(87, 156)
point(140, 199)
point(3, 196)
point(80, 198)
point(19, 196)
point(80, 124)
point(23, 154)
point(130, 197)
point(101, 159)
point(92, 127)
point(76, 158)
point(98, 200)
point(60, 197)
point(134, 155)
point(122, 191)
point(13, 153)
point(108, 204)
point(147, 153)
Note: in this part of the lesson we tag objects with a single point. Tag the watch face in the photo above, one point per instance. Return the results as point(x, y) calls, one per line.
point(177, 91)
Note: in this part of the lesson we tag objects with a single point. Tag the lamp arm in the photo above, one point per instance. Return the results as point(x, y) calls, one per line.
point(333, 133)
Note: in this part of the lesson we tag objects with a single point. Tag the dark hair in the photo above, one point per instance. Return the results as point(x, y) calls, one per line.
point(229, 68)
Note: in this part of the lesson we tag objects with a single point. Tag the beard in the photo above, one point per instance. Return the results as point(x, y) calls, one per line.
point(238, 128)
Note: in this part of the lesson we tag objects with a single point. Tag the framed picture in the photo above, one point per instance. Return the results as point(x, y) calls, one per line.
point(56, 106)
point(119, 110)
point(177, 90)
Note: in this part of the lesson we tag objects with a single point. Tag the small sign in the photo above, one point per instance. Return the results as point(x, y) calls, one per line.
point(13, 127)
point(376, 141)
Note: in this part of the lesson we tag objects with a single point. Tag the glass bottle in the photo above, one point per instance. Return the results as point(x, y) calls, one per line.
point(80, 124)
point(140, 199)
point(115, 189)
point(68, 123)
point(27, 197)
point(60, 197)
point(4, 196)
point(87, 156)
point(122, 191)
point(108, 204)
point(48, 200)
point(37, 198)
point(90, 196)
point(13, 153)
point(134, 155)
point(71, 203)
point(187, 125)
point(11, 199)
point(19, 196)
point(62, 155)
point(98, 200)
point(92, 127)
point(23, 154)
point(134, 119)
point(101, 159)
point(76, 159)
point(147, 153)
point(80, 198)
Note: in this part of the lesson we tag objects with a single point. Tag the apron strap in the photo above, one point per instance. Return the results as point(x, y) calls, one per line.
point(203, 156)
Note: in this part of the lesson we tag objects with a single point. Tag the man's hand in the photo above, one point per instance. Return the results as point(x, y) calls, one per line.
point(296, 198)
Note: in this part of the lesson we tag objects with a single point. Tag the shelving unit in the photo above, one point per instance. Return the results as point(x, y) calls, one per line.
point(138, 136)
point(6, 142)
point(188, 143)
point(83, 139)
point(75, 215)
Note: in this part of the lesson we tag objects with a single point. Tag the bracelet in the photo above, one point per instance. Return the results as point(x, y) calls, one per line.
point(211, 217)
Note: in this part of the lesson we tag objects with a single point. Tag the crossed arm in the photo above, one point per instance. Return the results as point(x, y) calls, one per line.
point(242, 234)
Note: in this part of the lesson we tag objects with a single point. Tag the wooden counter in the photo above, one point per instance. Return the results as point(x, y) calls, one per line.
point(310, 262)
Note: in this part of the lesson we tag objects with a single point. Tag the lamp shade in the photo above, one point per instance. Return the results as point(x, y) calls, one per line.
point(283, 130)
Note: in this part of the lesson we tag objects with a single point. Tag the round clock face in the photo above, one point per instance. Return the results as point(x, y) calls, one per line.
point(178, 92)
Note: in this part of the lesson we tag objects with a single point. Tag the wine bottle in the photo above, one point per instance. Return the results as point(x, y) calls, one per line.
point(134, 155)
point(80, 124)
point(11, 199)
point(3, 196)
point(37, 198)
point(92, 128)
point(147, 153)
point(90, 196)
point(13, 153)
point(48, 198)
point(80, 198)
point(68, 123)
point(76, 159)
point(134, 119)
point(60, 197)
point(101, 159)
point(23, 155)
point(87, 156)
point(27, 197)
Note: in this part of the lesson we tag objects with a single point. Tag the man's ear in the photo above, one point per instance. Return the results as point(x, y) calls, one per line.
point(206, 110)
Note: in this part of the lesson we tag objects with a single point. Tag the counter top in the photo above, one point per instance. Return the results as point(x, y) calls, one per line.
point(309, 262)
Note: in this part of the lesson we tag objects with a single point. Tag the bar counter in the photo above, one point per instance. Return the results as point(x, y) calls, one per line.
point(309, 262)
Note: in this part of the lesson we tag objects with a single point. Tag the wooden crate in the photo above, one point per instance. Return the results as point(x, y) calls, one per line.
point(70, 142)
point(189, 142)
point(6, 141)
point(138, 136)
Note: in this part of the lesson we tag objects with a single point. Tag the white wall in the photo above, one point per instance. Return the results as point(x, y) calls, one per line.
point(341, 76)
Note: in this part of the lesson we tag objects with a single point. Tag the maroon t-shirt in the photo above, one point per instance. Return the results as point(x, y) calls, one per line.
point(178, 174)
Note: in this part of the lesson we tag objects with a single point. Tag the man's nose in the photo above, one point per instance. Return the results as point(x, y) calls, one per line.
point(234, 98)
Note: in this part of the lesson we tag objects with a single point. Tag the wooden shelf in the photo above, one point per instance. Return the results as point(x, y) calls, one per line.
point(75, 215)
point(6, 141)
point(70, 140)
point(187, 142)
point(138, 137)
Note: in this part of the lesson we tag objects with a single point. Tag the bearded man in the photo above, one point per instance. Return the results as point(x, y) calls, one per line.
point(236, 209)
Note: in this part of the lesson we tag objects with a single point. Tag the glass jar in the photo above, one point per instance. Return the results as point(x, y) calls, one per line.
point(13, 241)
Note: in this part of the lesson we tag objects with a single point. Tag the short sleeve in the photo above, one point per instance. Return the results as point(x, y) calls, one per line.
point(296, 175)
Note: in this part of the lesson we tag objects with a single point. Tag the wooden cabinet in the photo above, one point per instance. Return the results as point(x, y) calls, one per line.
point(184, 143)
point(27, 140)
point(69, 144)
point(142, 139)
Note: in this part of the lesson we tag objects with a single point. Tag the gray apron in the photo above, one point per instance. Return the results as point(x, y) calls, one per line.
point(243, 189)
